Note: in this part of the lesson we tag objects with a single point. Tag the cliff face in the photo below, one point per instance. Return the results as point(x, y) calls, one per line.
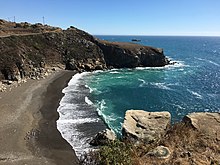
point(130, 55)
point(28, 55)
point(27, 50)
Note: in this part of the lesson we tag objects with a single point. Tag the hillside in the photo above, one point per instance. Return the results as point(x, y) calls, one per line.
point(28, 50)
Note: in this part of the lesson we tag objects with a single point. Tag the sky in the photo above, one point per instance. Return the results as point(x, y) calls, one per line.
point(121, 17)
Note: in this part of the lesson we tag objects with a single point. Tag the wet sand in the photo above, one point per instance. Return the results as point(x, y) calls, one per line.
point(28, 114)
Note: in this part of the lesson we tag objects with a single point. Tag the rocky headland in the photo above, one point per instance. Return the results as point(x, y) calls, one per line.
point(33, 50)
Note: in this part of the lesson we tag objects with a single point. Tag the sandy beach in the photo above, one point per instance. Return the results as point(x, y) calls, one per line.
point(28, 133)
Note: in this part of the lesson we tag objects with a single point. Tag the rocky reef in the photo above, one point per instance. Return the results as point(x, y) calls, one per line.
point(31, 50)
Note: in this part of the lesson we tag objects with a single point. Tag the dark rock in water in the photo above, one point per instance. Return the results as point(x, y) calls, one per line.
point(145, 126)
point(103, 137)
point(136, 40)
point(206, 123)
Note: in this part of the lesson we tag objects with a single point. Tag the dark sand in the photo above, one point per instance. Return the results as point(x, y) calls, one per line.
point(28, 114)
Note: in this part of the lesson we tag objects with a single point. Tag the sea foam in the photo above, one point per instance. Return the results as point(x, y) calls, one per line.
point(77, 116)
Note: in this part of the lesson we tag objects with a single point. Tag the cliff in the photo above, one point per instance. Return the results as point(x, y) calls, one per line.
point(27, 51)
point(149, 138)
point(130, 55)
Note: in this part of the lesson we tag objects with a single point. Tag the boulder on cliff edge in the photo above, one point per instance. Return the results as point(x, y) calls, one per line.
point(145, 126)
point(206, 123)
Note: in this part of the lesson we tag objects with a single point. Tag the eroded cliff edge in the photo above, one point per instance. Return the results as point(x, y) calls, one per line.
point(27, 51)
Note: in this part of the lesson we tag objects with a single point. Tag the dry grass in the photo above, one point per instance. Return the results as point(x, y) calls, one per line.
point(187, 146)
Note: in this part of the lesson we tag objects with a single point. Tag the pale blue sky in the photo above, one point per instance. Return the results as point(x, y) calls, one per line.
point(121, 17)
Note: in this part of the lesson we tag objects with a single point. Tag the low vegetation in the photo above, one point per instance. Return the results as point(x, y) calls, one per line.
point(115, 153)
point(187, 146)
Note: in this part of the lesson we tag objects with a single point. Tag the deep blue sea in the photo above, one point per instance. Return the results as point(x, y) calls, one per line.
point(191, 85)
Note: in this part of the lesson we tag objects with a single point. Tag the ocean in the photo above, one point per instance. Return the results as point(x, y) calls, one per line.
point(96, 100)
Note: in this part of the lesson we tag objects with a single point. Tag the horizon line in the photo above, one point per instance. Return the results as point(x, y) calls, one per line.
point(156, 35)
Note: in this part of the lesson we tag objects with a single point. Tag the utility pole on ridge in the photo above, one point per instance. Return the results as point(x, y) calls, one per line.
point(43, 20)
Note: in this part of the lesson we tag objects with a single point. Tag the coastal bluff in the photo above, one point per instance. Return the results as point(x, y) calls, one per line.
point(150, 138)
point(31, 50)
point(140, 125)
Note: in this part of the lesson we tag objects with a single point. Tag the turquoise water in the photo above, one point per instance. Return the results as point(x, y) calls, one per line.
point(192, 85)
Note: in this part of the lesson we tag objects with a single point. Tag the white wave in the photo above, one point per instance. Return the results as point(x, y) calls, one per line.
point(77, 121)
point(197, 95)
point(89, 102)
point(162, 86)
point(66, 106)
point(142, 68)
point(143, 81)
point(108, 119)
point(90, 89)
point(115, 69)
point(73, 137)
point(114, 72)
point(155, 85)
point(95, 90)
point(101, 106)
point(176, 64)
point(75, 79)
point(212, 62)
point(178, 106)
point(71, 116)
point(97, 71)
point(213, 95)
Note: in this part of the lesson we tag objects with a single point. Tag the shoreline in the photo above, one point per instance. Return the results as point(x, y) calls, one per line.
point(78, 121)
point(28, 131)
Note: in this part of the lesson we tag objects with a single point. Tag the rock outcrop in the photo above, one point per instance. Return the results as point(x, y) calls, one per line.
point(206, 123)
point(194, 140)
point(145, 126)
point(103, 138)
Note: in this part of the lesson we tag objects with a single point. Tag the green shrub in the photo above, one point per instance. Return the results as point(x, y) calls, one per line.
point(115, 153)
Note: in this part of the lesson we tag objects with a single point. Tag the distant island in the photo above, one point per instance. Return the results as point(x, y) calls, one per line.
point(136, 40)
